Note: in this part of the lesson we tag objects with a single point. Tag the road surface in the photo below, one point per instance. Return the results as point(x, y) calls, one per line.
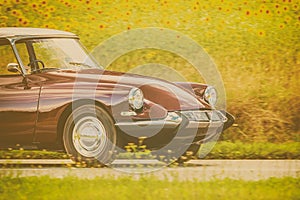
point(201, 170)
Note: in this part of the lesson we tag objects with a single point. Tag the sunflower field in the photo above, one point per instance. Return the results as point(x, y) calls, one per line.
point(254, 43)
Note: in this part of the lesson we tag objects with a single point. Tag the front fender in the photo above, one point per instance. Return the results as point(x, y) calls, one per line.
point(56, 98)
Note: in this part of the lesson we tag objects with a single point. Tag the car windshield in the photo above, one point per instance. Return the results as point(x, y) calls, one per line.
point(57, 53)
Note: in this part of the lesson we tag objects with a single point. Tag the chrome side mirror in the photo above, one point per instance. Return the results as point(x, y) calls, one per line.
point(13, 67)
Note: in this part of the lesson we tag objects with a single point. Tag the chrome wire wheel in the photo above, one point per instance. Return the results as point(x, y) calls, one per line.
point(89, 136)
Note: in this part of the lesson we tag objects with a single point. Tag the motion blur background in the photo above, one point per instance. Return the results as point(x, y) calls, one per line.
point(255, 44)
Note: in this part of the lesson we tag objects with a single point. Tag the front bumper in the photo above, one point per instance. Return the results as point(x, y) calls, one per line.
point(195, 126)
point(192, 119)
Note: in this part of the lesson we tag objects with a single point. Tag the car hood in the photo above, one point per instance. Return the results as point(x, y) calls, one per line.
point(167, 94)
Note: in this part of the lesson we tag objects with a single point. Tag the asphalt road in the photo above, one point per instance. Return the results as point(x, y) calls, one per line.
point(201, 170)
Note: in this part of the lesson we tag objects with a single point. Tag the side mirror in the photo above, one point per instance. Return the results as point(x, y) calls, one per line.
point(13, 67)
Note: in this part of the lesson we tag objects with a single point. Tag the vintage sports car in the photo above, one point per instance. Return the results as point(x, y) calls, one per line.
point(54, 95)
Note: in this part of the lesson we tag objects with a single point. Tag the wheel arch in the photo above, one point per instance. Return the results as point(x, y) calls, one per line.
point(67, 111)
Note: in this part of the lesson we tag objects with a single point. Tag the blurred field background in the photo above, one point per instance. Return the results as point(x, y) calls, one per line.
point(127, 187)
point(255, 44)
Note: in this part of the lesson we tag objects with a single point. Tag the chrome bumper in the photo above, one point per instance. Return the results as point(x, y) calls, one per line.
point(188, 119)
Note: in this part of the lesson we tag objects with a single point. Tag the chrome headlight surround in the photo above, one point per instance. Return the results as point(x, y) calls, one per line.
point(136, 99)
point(210, 95)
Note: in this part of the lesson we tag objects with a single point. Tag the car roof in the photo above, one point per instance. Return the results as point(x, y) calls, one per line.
point(24, 33)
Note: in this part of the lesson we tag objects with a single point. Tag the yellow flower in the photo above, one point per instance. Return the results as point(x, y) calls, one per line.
point(15, 12)
point(43, 3)
point(286, 8)
point(281, 26)
point(261, 33)
point(51, 8)
point(47, 15)
point(34, 6)
point(288, 19)
point(248, 12)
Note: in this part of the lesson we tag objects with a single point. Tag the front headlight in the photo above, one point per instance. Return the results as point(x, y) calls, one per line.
point(136, 98)
point(210, 95)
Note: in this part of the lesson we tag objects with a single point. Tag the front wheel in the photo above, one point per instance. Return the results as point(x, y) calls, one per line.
point(89, 135)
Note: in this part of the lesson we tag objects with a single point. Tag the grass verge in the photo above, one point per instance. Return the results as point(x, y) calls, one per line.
point(222, 150)
point(260, 150)
point(146, 188)
point(31, 154)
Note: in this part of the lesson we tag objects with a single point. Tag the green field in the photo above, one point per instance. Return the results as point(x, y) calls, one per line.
point(222, 150)
point(255, 45)
point(146, 188)
point(240, 150)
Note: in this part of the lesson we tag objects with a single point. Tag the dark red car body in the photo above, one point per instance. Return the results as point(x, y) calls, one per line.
point(34, 106)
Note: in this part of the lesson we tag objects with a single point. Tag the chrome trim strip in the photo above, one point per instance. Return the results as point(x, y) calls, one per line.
point(212, 124)
point(128, 113)
point(148, 123)
point(173, 120)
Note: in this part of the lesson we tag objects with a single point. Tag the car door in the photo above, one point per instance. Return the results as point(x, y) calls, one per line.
point(18, 102)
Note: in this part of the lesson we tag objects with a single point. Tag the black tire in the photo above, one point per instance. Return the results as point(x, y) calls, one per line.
point(189, 154)
point(89, 135)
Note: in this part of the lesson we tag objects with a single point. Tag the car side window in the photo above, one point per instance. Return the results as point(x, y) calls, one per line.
point(23, 53)
point(6, 56)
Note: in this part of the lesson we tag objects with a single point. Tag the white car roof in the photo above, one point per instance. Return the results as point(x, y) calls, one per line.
point(22, 33)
